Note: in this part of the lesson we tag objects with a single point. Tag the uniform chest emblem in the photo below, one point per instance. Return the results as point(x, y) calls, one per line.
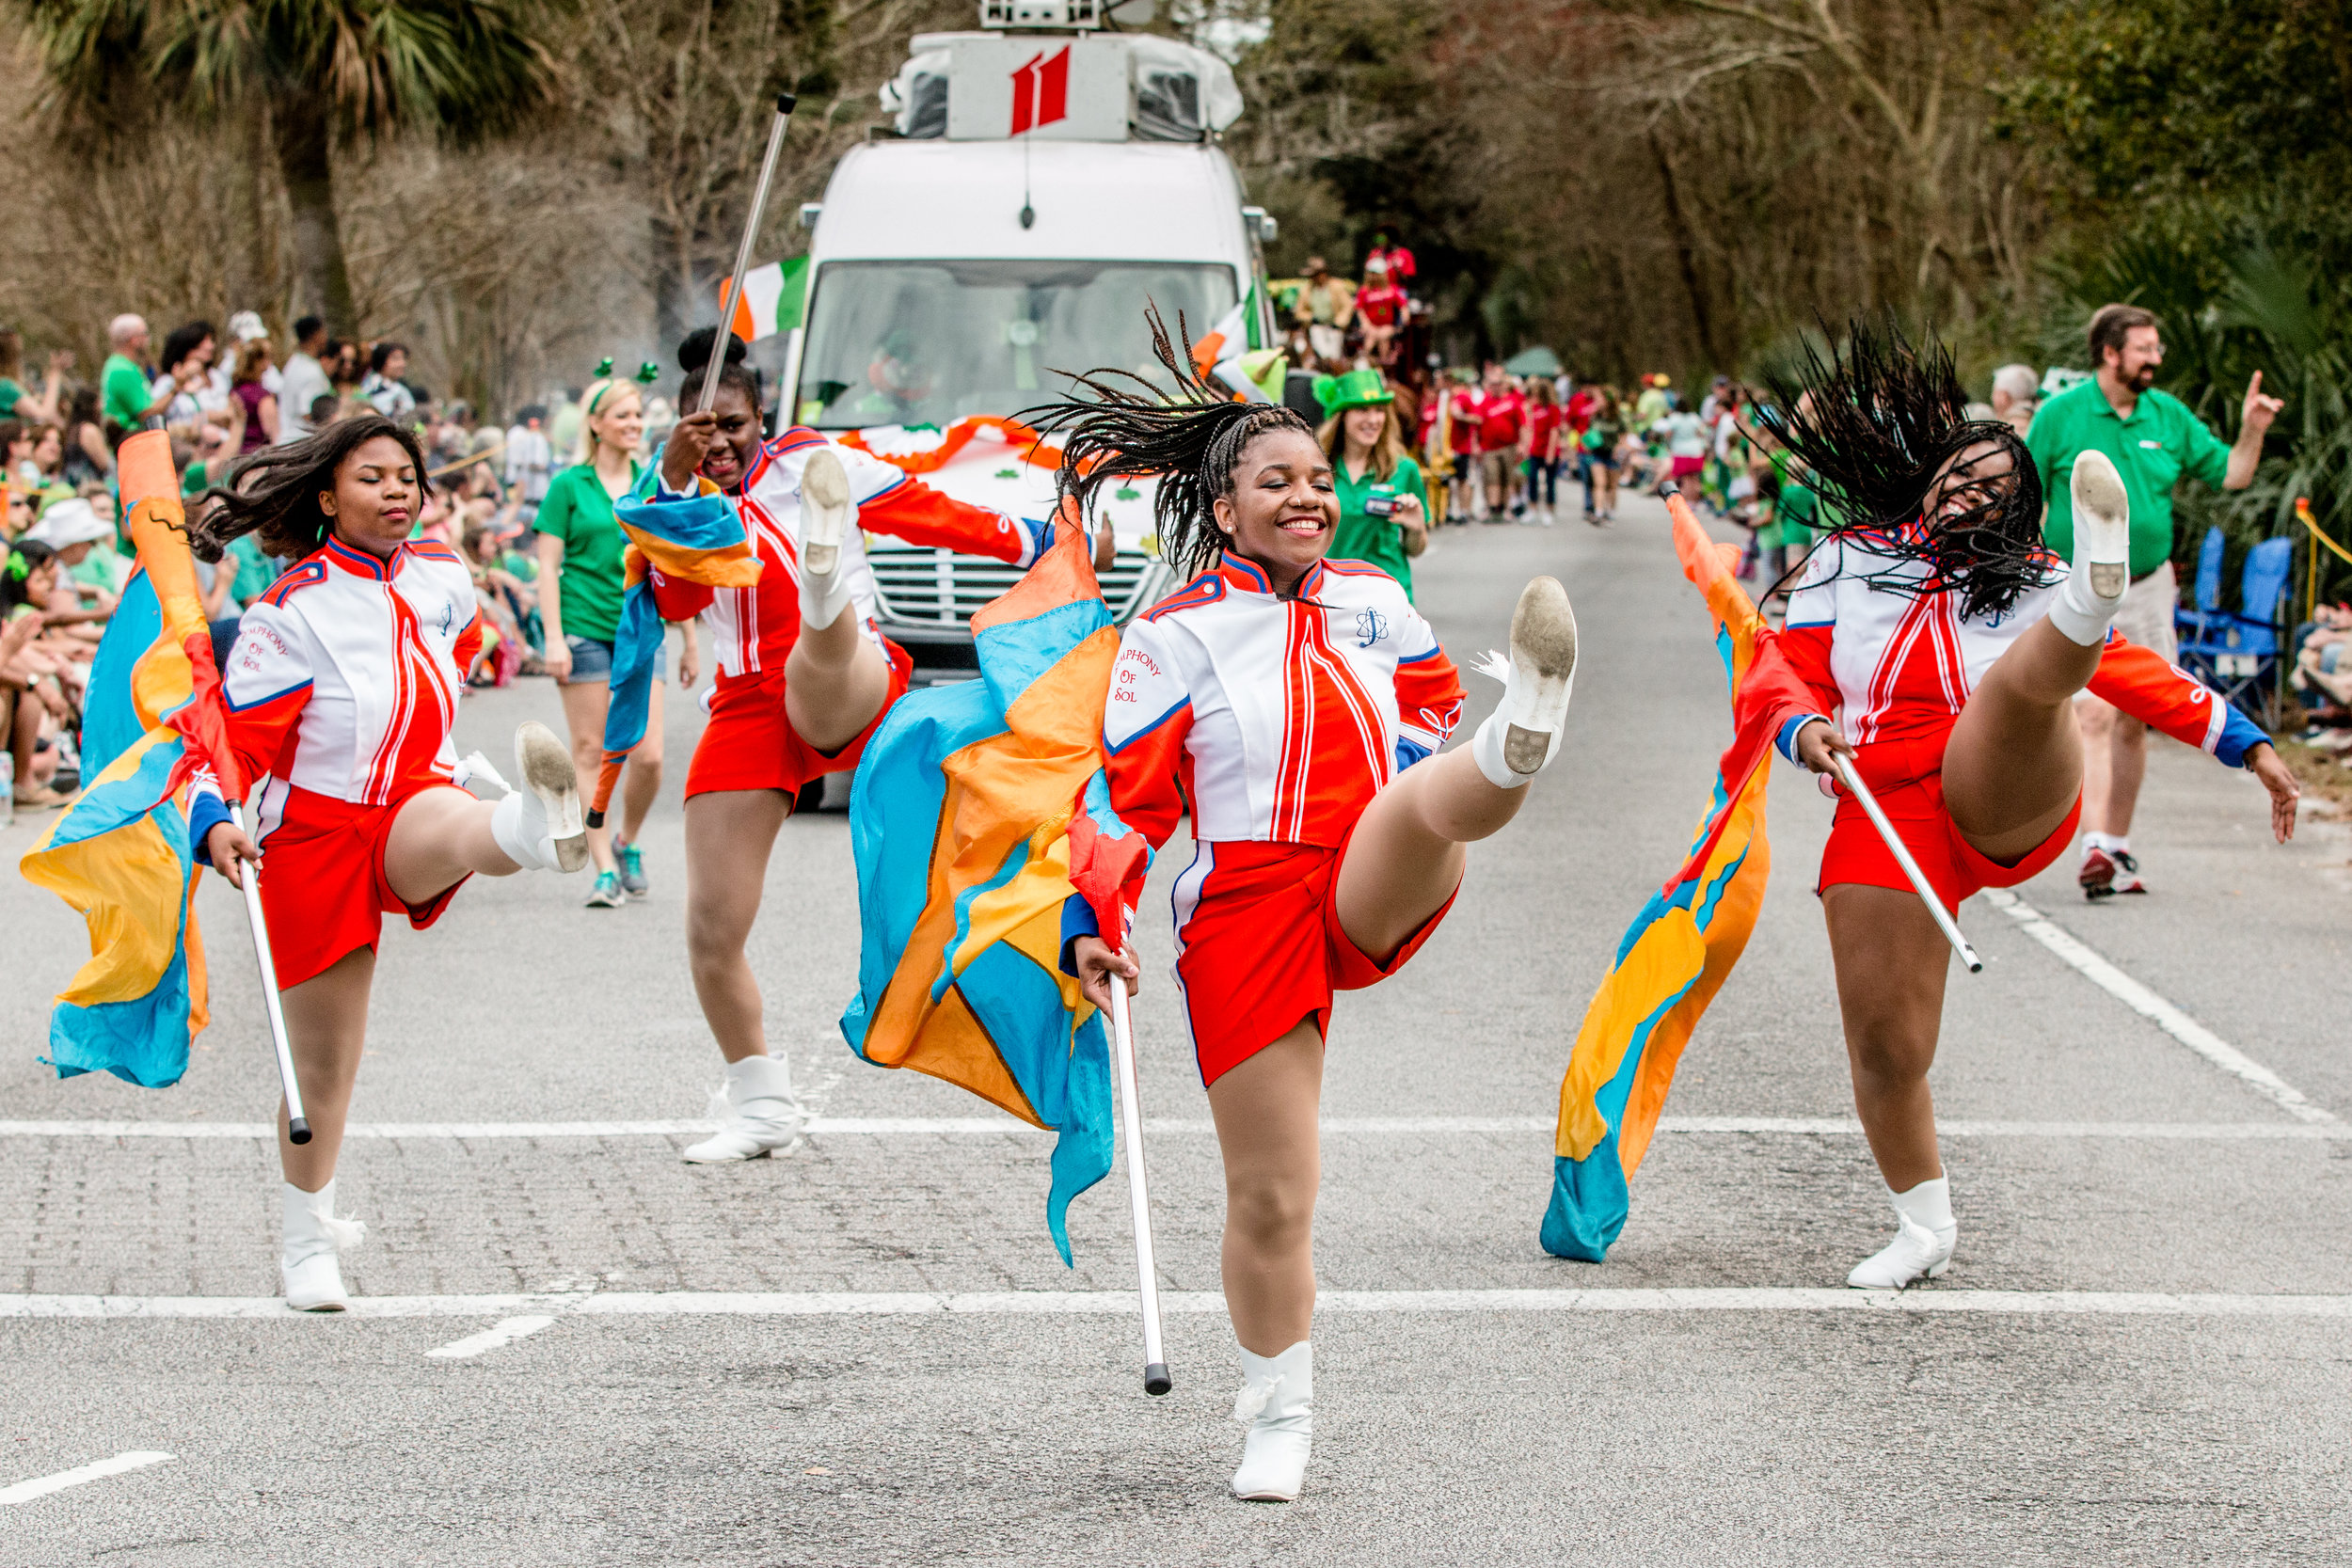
point(1371, 626)
point(449, 616)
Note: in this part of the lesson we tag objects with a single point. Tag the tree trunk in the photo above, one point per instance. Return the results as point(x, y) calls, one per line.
point(1687, 257)
point(672, 309)
point(306, 163)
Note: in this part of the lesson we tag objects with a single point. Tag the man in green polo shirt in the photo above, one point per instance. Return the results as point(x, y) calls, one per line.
point(125, 393)
point(2153, 440)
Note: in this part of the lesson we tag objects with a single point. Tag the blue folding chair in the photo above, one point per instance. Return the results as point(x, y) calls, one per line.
point(2238, 652)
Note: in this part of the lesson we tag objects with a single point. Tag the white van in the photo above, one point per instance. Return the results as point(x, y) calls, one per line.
point(954, 268)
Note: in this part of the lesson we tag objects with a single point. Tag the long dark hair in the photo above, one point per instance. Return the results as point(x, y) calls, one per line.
point(1191, 439)
point(1876, 422)
point(18, 562)
point(274, 493)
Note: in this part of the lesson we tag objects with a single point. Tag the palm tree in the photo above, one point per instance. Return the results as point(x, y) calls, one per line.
point(328, 73)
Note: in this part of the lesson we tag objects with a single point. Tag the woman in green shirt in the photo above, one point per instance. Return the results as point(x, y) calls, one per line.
point(1384, 513)
point(580, 546)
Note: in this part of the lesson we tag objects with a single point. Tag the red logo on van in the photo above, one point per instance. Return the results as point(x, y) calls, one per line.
point(1041, 91)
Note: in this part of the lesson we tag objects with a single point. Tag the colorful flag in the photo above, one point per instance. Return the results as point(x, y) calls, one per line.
point(976, 808)
point(697, 538)
point(119, 854)
point(771, 299)
point(1220, 351)
point(1675, 955)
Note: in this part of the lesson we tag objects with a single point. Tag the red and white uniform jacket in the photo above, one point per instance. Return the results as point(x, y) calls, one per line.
point(1269, 718)
point(344, 679)
point(753, 629)
point(1894, 669)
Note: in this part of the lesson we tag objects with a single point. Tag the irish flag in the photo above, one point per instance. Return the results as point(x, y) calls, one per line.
point(1219, 353)
point(771, 299)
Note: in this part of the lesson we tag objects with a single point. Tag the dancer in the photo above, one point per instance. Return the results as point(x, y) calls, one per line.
point(580, 546)
point(1291, 704)
point(1932, 640)
point(342, 688)
point(803, 677)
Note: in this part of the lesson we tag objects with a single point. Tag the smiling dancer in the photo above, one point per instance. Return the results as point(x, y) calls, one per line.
point(804, 677)
point(1291, 704)
point(342, 688)
point(1935, 643)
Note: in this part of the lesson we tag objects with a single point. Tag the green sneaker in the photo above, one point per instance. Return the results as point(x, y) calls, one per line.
point(607, 894)
point(633, 870)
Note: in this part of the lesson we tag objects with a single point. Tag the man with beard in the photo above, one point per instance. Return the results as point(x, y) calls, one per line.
point(2153, 439)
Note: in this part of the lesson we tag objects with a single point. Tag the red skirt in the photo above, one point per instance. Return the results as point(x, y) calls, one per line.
point(750, 742)
point(1258, 948)
point(324, 891)
point(1856, 853)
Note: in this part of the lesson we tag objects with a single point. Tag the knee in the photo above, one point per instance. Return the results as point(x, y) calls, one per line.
point(1889, 1049)
point(1271, 1214)
point(714, 940)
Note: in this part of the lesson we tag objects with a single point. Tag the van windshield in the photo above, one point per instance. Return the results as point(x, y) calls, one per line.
point(925, 343)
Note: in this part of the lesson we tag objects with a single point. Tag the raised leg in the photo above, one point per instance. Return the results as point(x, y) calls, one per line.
point(2013, 766)
point(1265, 1114)
point(440, 837)
point(728, 836)
point(1406, 858)
point(834, 683)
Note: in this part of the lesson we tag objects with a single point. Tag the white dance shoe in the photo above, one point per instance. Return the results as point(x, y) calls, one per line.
point(826, 512)
point(1523, 732)
point(541, 825)
point(1922, 1247)
point(307, 1264)
point(1277, 1403)
point(756, 1113)
point(2092, 594)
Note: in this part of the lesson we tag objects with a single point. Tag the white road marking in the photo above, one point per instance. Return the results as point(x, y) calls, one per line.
point(2080, 956)
point(1835, 1127)
point(25, 1491)
point(853, 1304)
point(503, 1332)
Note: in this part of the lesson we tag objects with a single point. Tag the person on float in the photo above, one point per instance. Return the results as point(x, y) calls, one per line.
point(803, 678)
point(341, 690)
point(1294, 706)
point(1935, 644)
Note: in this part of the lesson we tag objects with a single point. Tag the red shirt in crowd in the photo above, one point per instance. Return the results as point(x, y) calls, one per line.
point(1543, 423)
point(1501, 416)
point(1380, 304)
point(1581, 408)
point(1469, 416)
point(1400, 262)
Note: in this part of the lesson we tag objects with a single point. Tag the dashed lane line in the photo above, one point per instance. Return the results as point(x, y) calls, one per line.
point(2080, 956)
point(504, 1332)
point(860, 1304)
point(25, 1491)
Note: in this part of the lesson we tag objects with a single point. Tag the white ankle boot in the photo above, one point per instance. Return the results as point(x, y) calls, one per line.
point(306, 1265)
point(1277, 1402)
point(755, 1111)
point(826, 512)
point(2087, 601)
point(1523, 732)
point(540, 827)
point(1922, 1248)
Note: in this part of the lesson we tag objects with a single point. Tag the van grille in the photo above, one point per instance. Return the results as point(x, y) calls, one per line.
point(943, 588)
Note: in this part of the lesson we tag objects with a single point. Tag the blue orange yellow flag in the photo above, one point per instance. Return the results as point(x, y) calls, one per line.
point(1675, 955)
point(974, 808)
point(119, 853)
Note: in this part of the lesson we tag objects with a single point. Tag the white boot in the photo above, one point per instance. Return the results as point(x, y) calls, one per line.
point(306, 1265)
point(540, 827)
point(2094, 591)
point(1922, 1248)
point(1276, 1402)
point(1523, 732)
point(826, 512)
point(755, 1111)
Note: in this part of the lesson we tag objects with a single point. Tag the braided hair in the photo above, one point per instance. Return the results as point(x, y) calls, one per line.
point(1192, 440)
point(1877, 424)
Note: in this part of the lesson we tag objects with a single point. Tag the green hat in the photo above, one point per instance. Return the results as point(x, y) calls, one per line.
point(1362, 387)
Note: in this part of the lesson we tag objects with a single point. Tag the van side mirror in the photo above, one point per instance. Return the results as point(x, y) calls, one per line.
point(808, 214)
point(1262, 223)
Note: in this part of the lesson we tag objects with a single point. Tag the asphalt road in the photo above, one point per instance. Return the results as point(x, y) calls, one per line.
point(867, 1352)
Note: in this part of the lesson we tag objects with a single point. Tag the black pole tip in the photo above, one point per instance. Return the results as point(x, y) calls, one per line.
point(1028, 217)
point(595, 819)
point(299, 1132)
point(785, 102)
point(1156, 1379)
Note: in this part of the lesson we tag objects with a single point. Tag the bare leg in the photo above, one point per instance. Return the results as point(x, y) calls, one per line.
point(440, 837)
point(1891, 962)
point(1265, 1129)
point(1406, 858)
point(834, 683)
point(641, 785)
point(2128, 765)
point(584, 706)
point(728, 836)
point(327, 1027)
point(2013, 766)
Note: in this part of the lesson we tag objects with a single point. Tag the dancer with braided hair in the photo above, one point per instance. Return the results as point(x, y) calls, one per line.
point(1291, 705)
point(1934, 642)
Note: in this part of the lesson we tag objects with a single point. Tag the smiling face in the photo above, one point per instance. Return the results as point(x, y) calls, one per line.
point(1363, 426)
point(1283, 507)
point(620, 425)
point(1979, 475)
point(731, 455)
point(375, 497)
